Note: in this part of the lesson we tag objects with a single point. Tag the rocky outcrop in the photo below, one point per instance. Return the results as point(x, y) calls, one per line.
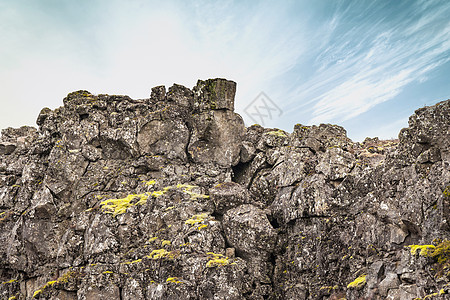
point(171, 197)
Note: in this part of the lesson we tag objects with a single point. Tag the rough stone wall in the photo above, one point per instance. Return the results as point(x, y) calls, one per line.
point(172, 197)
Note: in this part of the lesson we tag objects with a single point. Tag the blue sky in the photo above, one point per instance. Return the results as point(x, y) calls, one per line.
point(365, 65)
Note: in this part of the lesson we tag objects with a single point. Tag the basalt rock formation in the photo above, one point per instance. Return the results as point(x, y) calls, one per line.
point(172, 197)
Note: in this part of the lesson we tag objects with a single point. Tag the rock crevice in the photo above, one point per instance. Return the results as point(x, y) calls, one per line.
point(172, 197)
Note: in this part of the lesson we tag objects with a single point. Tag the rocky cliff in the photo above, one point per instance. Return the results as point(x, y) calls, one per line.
point(172, 197)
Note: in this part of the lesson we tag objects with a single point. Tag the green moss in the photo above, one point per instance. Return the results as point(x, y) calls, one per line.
point(210, 88)
point(357, 283)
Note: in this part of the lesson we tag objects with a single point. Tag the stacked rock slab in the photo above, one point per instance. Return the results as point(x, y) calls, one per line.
point(172, 197)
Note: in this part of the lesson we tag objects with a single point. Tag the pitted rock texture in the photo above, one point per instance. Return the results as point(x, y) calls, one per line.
point(172, 197)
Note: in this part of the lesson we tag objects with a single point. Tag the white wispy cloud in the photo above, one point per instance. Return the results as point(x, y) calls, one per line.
point(361, 67)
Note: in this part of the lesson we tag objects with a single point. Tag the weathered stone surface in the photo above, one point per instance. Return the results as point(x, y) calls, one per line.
point(216, 138)
point(390, 282)
point(428, 131)
point(259, 235)
point(7, 148)
point(171, 197)
point(228, 195)
point(247, 152)
point(215, 94)
point(336, 163)
point(158, 93)
point(166, 137)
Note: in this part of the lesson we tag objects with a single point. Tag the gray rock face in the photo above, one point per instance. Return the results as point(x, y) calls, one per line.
point(171, 197)
point(216, 138)
point(228, 195)
point(259, 235)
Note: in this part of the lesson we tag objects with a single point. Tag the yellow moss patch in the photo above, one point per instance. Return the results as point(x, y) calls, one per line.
point(156, 254)
point(186, 188)
point(166, 243)
point(150, 182)
point(279, 133)
point(132, 262)
point(447, 191)
point(157, 194)
point(152, 239)
point(162, 253)
point(50, 283)
point(37, 293)
point(442, 252)
point(173, 279)
point(63, 279)
point(430, 296)
point(202, 226)
point(357, 283)
point(329, 288)
point(423, 249)
point(216, 260)
point(196, 219)
point(120, 206)
point(9, 281)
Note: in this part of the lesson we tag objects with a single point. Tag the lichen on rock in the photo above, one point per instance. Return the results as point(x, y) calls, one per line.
point(172, 197)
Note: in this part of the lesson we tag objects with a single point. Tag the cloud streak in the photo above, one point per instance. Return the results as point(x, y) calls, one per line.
point(361, 67)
